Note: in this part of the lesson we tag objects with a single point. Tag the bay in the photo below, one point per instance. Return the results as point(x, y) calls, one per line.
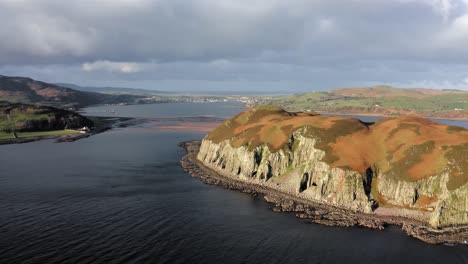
point(122, 197)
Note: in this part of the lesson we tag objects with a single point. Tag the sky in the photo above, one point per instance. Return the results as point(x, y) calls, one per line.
point(237, 45)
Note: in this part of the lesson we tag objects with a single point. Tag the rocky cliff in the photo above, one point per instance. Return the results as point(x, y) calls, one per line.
point(405, 166)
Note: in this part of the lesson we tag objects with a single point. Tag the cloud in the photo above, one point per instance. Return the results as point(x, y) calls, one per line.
point(315, 43)
point(443, 7)
point(455, 33)
point(206, 29)
point(111, 66)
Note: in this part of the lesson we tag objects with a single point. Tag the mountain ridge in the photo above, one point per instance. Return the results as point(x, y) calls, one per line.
point(109, 89)
point(30, 91)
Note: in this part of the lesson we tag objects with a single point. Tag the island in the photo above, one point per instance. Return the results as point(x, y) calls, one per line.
point(407, 171)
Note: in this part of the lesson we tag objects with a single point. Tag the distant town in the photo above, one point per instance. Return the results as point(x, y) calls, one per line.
point(246, 100)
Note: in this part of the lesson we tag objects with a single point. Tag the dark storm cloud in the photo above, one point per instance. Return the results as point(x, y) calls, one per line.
point(296, 44)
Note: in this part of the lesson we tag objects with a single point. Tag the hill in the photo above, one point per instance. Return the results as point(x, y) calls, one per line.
point(380, 100)
point(29, 91)
point(30, 118)
point(405, 166)
point(24, 123)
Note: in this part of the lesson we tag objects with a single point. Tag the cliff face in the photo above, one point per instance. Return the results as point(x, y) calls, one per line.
point(297, 171)
point(303, 155)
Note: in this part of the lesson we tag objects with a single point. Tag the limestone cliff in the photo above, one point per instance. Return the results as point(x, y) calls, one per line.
point(400, 166)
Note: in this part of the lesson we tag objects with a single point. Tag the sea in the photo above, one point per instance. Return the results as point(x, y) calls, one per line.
point(122, 197)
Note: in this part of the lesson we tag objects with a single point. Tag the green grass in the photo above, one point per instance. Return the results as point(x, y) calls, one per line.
point(413, 156)
point(323, 101)
point(20, 117)
point(4, 135)
point(48, 133)
point(458, 166)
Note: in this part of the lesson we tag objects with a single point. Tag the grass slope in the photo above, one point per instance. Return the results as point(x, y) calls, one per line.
point(32, 118)
point(29, 91)
point(407, 148)
point(381, 100)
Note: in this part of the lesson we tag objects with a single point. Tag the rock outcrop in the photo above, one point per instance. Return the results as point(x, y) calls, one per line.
point(404, 166)
point(297, 171)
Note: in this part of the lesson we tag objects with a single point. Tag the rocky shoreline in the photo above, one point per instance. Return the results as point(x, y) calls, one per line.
point(317, 212)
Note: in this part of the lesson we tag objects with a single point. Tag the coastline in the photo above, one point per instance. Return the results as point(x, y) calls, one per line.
point(59, 139)
point(102, 124)
point(318, 212)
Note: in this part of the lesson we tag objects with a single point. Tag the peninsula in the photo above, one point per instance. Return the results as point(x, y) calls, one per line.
point(20, 123)
point(406, 170)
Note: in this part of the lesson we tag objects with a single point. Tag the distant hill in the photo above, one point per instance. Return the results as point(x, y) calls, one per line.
point(29, 91)
point(139, 91)
point(111, 90)
point(388, 91)
point(380, 100)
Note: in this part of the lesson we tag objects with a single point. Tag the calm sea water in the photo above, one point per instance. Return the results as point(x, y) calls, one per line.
point(225, 109)
point(122, 197)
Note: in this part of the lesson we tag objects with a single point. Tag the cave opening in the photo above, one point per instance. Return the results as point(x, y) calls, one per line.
point(304, 181)
point(416, 196)
point(257, 157)
point(269, 172)
point(369, 174)
point(367, 184)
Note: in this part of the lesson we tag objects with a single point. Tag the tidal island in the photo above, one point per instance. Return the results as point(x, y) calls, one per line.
point(406, 171)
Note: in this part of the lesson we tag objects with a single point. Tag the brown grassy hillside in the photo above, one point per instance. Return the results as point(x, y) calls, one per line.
point(409, 148)
point(29, 91)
